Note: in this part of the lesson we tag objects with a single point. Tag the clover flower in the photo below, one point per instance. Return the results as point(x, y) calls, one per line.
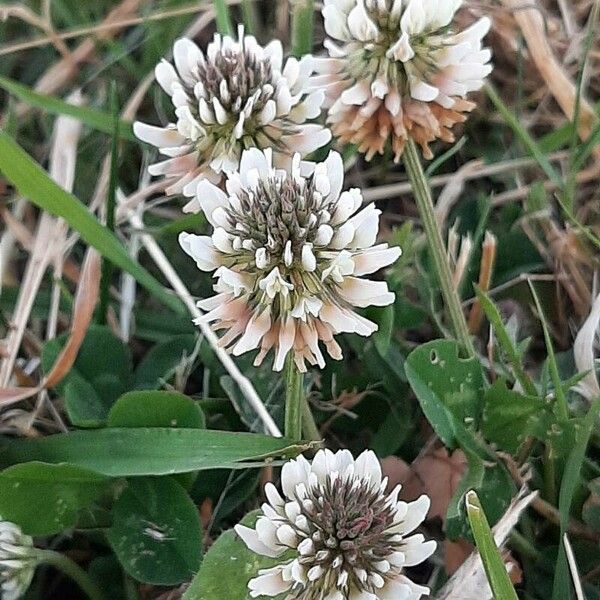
point(400, 71)
point(17, 561)
point(341, 537)
point(288, 250)
point(239, 95)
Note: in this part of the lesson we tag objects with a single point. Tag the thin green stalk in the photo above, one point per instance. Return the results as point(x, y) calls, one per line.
point(250, 16)
point(294, 391)
point(223, 18)
point(72, 570)
point(302, 27)
point(422, 194)
point(111, 200)
point(561, 399)
point(523, 546)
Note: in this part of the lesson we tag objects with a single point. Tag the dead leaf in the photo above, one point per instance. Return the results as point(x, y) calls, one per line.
point(435, 473)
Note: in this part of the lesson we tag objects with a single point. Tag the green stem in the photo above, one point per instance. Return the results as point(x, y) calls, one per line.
point(294, 392)
point(223, 18)
point(422, 194)
point(302, 27)
point(72, 570)
point(111, 201)
point(522, 545)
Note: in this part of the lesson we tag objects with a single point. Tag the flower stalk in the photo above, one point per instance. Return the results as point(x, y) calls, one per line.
point(294, 397)
point(422, 194)
point(302, 27)
point(72, 570)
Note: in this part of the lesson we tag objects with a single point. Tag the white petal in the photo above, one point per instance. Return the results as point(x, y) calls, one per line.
point(417, 550)
point(366, 223)
point(166, 76)
point(255, 330)
point(210, 197)
point(364, 292)
point(269, 583)
point(201, 249)
point(419, 90)
point(368, 467)
point(375, 258)
point(250, 538)
point(157, 136)
point(360, 24)
point(254, 159)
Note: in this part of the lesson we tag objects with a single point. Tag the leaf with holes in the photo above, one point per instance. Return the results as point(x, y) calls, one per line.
point(156, 531)
point(436, 369)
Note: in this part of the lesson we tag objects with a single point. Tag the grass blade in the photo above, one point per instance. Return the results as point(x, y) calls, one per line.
point(493, 564)
point(554, 374)
point(528, 142)
point(493, 315)
point(91, 117)
point(111, 199)
point(35, 184)
point(571, 479)
point(125, 452)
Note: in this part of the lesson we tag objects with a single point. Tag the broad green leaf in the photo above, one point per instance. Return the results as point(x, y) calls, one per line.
point(91, 117)
point(156, 531)
point(97, 378)
point(161, 361)
point(36, 185)
point(45, 498)
point(228, 567)
point(155, 409)
point(493, 564)
point(510, 417)
point(456, 381)
point(121, 452)
point(448, 387)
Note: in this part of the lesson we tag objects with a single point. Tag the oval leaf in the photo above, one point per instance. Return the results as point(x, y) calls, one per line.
point(156, 532)
point(155, 409)
point(43, 498)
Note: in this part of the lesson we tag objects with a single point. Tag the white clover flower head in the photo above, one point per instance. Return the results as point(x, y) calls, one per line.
point(340, 535)
point(399, 70)
point(288, 251)
point(238, 95)
point(17, 561)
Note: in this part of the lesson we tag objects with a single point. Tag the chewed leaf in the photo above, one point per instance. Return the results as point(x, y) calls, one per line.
point(457, 382)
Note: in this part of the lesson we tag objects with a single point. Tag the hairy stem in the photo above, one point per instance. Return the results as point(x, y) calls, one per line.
point(294, 396)
point(302, 27)
point(422, 194)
